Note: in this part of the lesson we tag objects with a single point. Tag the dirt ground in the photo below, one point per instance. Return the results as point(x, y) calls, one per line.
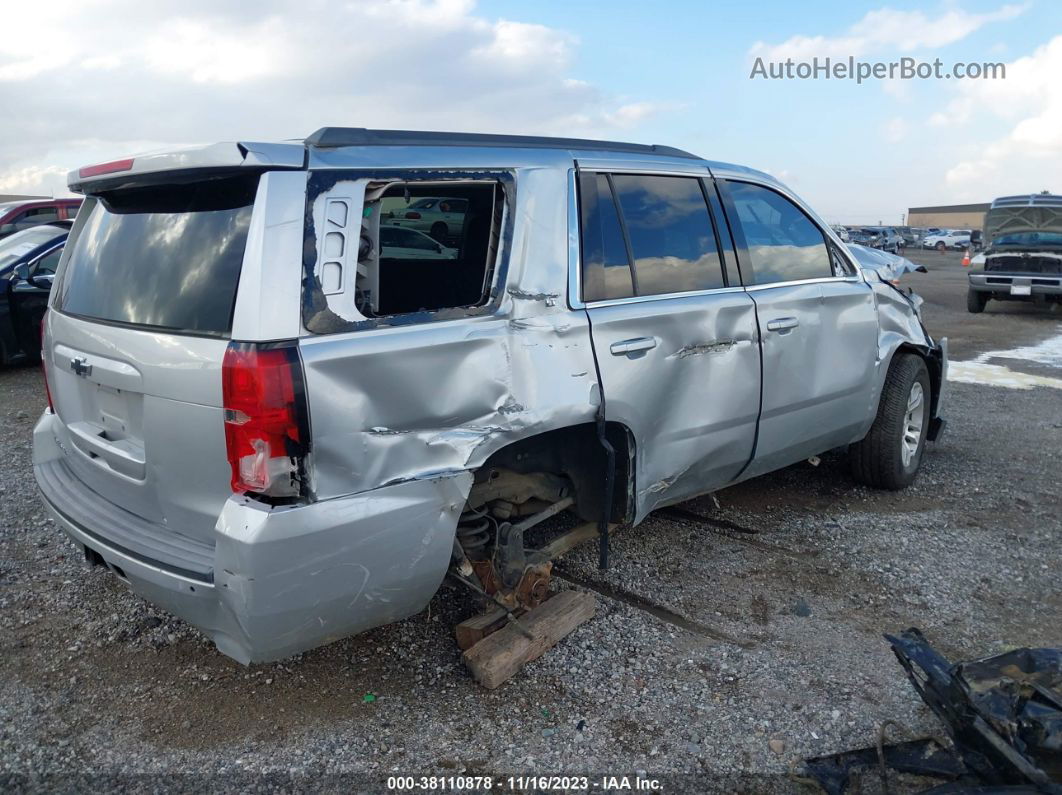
point(716, 661)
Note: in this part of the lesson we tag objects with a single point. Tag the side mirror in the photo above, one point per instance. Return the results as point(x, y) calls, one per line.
point(22, 272)
point(438, 248)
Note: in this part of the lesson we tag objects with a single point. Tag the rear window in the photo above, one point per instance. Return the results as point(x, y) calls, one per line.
point(163, 257)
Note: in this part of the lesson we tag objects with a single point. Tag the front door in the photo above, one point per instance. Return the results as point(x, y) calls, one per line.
point(818, 325)
point(28, 300)
point(676, 345)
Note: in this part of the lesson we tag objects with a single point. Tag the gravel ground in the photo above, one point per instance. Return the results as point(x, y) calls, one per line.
point(715, 661)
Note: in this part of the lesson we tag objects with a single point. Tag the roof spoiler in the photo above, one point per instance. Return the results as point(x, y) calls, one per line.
point(183, 164)
point(333, 137)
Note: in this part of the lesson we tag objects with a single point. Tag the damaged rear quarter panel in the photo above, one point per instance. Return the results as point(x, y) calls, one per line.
point(400, 399)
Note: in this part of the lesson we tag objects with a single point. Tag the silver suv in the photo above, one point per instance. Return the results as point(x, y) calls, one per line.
point(268, 422)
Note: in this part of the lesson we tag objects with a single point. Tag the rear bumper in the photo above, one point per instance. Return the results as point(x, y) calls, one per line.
point(280, 579)
point(1000, 284)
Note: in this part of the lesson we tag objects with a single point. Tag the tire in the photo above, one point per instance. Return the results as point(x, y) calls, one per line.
point(888, 457)
point(941, 247)
point(439, 231)
point(975, 301)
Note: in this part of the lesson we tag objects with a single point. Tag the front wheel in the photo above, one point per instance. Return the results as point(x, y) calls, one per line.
point(941, 247)
point(975, 301)
point(889, 455)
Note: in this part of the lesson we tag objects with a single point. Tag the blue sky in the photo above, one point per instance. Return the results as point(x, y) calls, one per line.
point(100, 79)
point(831, 139)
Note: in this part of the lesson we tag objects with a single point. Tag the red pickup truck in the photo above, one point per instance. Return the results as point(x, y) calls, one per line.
point(24, 213)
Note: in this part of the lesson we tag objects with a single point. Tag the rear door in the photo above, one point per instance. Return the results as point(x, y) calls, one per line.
point(674, 334)
point(141, 316)
point(818, 327)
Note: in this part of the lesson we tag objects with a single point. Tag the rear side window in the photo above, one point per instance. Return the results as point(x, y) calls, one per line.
point(783, 244)
point(163, 257)
point(606, 267)
point(646, 235)
point(671, 235)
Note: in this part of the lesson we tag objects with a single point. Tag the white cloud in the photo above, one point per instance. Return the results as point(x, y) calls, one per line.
point(887, 30)
point(123, 72)
point(634, 112)
point(49, 180)
point(521, 41)
point(1029, 157)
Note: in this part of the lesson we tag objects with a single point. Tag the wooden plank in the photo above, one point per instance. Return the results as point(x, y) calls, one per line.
point(471, 631)
point(566, 542)
point(501, 654)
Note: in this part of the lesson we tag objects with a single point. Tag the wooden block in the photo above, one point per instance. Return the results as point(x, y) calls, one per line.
point(566, 542)
point(473, 630)
point(501, 654)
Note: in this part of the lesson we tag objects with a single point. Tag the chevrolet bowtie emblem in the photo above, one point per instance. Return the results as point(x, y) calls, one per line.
point(80, 367)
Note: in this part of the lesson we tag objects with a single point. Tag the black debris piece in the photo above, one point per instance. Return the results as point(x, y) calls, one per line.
point(1002, 715)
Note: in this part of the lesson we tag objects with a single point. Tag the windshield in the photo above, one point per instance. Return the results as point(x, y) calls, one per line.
point(165, 257)
point(1029, 239)
point(16, 246)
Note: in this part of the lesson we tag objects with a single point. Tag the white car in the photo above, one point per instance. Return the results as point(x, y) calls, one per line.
point(441, 217)
point(399, 243)
point(951, 238)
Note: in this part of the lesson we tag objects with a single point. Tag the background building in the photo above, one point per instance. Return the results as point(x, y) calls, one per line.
point(949, 216)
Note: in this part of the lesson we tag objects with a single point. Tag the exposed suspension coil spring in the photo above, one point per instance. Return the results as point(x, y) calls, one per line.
point(473, 533)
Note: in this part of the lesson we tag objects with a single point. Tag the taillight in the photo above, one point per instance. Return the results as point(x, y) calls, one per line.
point(413, 215)
point(266, 422)
point(105, 168)
point(44, 360)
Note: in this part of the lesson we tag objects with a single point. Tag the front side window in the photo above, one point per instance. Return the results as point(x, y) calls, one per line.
point(783, 244)
point(48, 263)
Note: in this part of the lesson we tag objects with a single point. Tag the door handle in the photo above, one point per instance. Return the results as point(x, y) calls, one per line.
point(635, 345)
point(782, 324)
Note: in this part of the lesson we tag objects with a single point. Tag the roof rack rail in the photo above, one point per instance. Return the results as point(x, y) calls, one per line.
point(331, 137)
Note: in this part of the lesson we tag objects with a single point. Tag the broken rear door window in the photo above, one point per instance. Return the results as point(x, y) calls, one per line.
point(399, 247)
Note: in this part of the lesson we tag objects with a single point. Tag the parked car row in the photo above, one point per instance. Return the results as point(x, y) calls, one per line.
point(15, 216)
point(950, 239)
point(885, 238)
point(895, 239)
